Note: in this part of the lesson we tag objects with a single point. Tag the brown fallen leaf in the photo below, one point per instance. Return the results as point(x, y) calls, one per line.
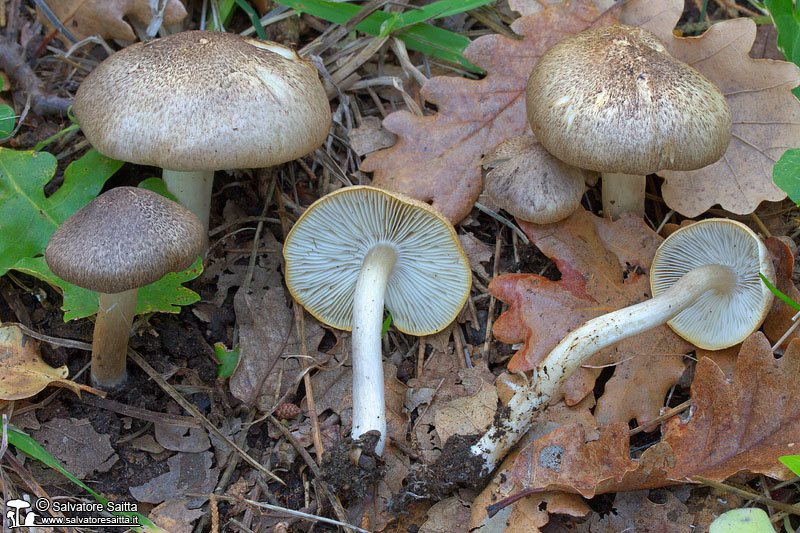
point(437, 157)
point(188, 472)
point(634, 511)
point(179, 439)
point(22, 371)
point(738, 425)
point(604, 266)
point(779, 319)
point(107, 17)
point(77, 446)
point(175, 517)
point(450, 515)
point(766, 115)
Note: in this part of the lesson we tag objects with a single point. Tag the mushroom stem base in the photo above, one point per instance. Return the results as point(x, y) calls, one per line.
point(369, 408)
point(573, 351)
point(112, 328)
point(192, 190)
point(623, 193)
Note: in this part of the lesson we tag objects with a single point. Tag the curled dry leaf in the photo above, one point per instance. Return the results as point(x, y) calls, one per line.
point(437, 157)
point(22, 371)
point(766, 115)
point(779, 319)
point(107, 17)
point(604, 266)
point(737, 425)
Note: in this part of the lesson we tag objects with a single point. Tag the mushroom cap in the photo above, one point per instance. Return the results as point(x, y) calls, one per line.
point(124, 239)
point(612, 99)
point(204, 100)
point(325, 249)
point(716, 320)
point(528, 182)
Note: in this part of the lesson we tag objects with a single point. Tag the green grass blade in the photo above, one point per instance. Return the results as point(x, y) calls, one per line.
point(788, 301)
point(29, 446)
point(435, 10)
point(254, 19)
point(420, 37)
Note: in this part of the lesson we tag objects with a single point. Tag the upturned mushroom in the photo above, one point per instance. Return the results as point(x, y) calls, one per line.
point(528, 182)
point(201, 101)
point(122, 240)
point(706, 286)
point(360, 248)
point(612, 99)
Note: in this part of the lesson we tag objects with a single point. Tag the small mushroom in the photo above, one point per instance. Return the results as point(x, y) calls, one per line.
point(359, 248)
point(612, 99)
point(528, 182)
point(124, 239)
point(200, 101)
point(706, 286)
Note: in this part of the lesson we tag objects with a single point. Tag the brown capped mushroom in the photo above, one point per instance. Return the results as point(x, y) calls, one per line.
point(200, 101)
point(612, 99)
point(124, 239)
point(528, 182)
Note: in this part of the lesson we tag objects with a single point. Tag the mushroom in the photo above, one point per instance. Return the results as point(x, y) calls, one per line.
point(359, 248)
point(706, 286)
point(200, 101)
point(124, 239)
point(531, 184)
point(612, 99)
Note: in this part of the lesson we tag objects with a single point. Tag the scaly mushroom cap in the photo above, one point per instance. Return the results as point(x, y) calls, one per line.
point(124, 239)
point(326, 247)
point(612, 99)
point(716, 320)
point(531, 184)
point(204, 100)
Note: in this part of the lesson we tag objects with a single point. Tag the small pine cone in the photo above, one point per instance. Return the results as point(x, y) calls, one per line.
point(286, 411)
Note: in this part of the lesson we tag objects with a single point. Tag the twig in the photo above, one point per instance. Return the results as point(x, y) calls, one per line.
point(12, 62)
point(337, 506)
point(183, 402)
point(657, 420)
point(791, 509)
point(498, 245)
point(142, 414)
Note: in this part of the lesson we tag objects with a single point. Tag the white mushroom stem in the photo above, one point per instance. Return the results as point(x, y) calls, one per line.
point(623, 193)
point(112, 328)
point(369, 410)
point(192, 190)
point(582, 343)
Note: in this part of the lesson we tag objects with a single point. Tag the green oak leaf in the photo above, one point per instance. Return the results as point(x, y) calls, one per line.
point(786, 174)
point(28, 219)
point(163, 296)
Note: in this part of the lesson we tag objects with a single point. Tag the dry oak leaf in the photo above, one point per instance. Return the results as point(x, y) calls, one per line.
point(766, 115)
point(437, 157)
point(107, 17)
point(779, 318)
point(23, 373)
point(604, 266)
point(737, 425)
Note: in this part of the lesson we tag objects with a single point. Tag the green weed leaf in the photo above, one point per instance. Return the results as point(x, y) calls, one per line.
point(786, 174)
point(787, 21)
point(228, 359)
point(792, 462)
point(30, 447)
